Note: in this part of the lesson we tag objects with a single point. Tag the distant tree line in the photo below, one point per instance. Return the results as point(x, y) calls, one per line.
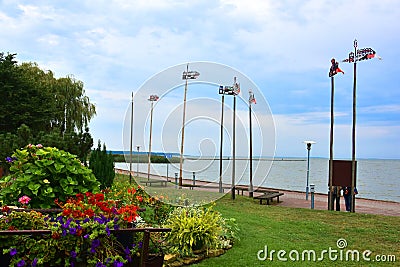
point(143, 158)
point(36, 107)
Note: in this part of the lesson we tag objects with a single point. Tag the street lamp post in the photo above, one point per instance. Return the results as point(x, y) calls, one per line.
point(187, 75)
point(234, 145)
point(309, 143)
point(357, 55)
point(222, 93)
point(137, 164)
point(130, 149)
point(152, 99)
point(251, 100)
point(229, 90)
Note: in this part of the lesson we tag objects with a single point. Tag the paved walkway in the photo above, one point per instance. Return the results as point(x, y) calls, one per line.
point(297, 200)
point(368, 206)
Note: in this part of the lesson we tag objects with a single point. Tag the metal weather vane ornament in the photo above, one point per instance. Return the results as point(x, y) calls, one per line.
point(334, 68)
point(362, 54)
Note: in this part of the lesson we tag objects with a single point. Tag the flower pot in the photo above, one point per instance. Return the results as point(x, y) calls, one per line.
point(4, 259)
point(126, 238)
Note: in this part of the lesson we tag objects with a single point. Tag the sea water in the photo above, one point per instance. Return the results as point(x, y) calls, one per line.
point(376, 178)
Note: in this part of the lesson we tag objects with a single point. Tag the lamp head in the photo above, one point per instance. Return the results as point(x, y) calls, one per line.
point(309, 143)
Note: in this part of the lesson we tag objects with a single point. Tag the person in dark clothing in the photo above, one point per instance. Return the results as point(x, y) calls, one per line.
point(347, 196)
point(336, 197)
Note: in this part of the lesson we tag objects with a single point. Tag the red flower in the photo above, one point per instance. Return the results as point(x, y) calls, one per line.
point(55, 235)
point(80, 197)
point(89, 212)
point(131, 191)
point(99, 197)
point(67, 212)
point(5, 209)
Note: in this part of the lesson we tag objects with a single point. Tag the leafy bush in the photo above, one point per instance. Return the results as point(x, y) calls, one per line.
point(45, 174)
point(102, 165)
point(194, 228)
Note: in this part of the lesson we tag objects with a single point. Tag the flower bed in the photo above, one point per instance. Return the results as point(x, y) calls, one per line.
point(80, 233)
point(93, 228)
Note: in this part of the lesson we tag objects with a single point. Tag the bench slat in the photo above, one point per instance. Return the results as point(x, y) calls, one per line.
point(269, 197)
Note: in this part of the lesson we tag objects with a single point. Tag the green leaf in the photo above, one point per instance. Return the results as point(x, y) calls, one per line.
point(59, 166)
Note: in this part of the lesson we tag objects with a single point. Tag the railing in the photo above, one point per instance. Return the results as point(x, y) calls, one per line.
point(145, 242)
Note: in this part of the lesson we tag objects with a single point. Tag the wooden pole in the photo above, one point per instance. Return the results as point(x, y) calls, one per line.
point(330, 200)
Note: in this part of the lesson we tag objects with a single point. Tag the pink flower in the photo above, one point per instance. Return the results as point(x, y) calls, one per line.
point(39, 145)
point(24, 200)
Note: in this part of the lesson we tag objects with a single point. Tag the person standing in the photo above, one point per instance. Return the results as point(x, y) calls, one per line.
point(347, 196)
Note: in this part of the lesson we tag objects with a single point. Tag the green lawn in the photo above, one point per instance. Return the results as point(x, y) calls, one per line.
point(288, 229)
point(297, 230)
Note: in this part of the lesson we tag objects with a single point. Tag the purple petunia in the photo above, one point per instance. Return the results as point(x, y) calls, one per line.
point(95, 244)
point(67, 223)
point(9, 159)
point(99, 220)
point(21, 263)
point(72, 231)
point(118, 263)
point(73, 254)
point(13, 252)
point(34, 262)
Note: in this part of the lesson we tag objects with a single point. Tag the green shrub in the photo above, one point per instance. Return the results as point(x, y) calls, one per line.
point(45, 174)
point(102, 165)
point(194, 228)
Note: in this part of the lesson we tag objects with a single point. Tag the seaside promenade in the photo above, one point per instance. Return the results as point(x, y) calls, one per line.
point(296, 199)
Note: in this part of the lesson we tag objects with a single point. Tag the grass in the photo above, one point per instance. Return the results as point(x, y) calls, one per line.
point(282, 228)
point(173, 196)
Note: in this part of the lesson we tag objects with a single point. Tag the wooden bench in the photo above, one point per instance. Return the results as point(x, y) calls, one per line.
point(161, 182)
point(269, 196)
point(191, 186)
point(257, 190)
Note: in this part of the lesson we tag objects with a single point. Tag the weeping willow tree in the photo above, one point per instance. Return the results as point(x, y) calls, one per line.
point(74, 108)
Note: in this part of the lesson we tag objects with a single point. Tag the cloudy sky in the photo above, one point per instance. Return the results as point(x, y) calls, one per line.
point(283, 47)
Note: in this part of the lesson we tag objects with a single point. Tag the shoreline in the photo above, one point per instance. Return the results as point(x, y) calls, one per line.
point(296, 199)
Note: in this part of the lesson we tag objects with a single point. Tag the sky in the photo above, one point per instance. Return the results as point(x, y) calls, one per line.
point(281, 49)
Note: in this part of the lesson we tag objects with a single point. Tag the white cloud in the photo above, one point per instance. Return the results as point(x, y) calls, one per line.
point(114, 46)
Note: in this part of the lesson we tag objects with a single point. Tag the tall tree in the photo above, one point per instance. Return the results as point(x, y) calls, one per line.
point(25, 94)
point(75, 109)
point(35, 106)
